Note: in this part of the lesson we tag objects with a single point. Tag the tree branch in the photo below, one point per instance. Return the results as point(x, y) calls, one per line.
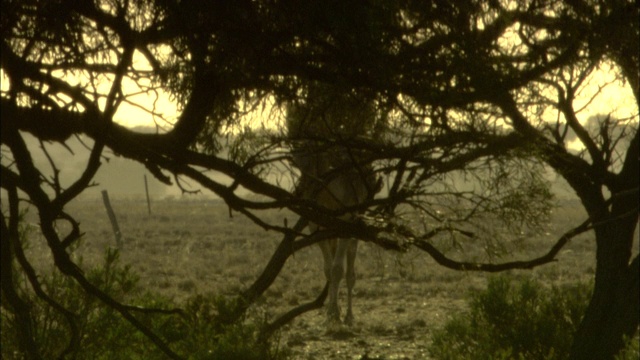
point(550, 256)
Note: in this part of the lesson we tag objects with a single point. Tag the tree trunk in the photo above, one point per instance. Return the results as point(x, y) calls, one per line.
point(612, 314)
point(614, 310)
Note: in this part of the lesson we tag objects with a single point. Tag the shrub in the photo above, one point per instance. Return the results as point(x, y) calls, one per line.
point(211, 335)
point(631, 350)
point(198, 332)
point(102, 333)
point(507, 321)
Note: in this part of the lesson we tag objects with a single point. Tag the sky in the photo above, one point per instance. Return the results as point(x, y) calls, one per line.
point(616, 98)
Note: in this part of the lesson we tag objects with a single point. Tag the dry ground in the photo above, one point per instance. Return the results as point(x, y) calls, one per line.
point(189, 247)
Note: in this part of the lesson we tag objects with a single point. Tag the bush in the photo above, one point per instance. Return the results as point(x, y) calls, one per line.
point(211, 335)
point(507, 321)
point(631, 350)
point(102, 333)
point(199, 332)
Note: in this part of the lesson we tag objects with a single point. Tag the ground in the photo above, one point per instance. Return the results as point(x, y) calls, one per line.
point(186, 247)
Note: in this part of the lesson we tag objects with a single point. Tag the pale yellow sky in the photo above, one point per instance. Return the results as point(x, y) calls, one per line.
point(616, 98)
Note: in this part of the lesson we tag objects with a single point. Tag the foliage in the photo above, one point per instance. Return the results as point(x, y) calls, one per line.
point(514, 320)
point(212, 332)
point(459, 86)
point(631, 350)
point(199, 330)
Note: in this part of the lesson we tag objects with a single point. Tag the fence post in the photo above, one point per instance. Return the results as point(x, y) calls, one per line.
point(146, 189)
point(112, 218)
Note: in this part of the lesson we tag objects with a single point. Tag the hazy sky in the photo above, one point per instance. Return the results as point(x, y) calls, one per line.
point(615, 98)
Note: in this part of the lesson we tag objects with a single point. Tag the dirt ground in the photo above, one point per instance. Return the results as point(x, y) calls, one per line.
point(189, 247)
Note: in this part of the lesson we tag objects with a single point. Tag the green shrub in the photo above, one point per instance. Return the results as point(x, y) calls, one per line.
point(211, 335)
point(631, 350)
point(199, 332)
point(507, 321)
point(101, 330)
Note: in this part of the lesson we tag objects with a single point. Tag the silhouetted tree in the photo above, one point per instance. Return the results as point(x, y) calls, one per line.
point(463, 86)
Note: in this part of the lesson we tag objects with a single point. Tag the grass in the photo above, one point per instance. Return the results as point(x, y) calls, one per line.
point(194, 247)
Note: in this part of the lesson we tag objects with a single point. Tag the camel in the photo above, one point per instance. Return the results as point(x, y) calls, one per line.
point(332, 176)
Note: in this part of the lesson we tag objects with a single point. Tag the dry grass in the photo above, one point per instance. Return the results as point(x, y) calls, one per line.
point(189, 247)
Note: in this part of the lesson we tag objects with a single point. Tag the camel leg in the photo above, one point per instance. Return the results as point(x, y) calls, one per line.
point(337, 272)
point(328, 248)
point(352, 249)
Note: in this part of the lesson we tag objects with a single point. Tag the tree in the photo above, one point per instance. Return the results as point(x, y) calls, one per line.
point(463, 87)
